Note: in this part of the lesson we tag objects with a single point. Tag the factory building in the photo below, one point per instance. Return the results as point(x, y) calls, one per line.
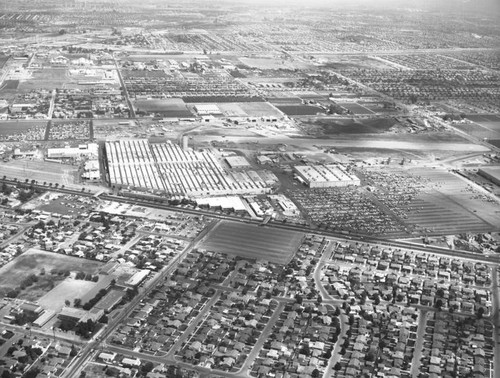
point(167, 167)
point(325, 176)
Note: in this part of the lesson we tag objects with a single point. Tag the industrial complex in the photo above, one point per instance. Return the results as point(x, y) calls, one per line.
point(137, 164)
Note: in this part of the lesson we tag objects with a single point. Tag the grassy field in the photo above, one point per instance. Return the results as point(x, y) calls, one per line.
point(253, 242)
point(32, 262)
point(19, 126)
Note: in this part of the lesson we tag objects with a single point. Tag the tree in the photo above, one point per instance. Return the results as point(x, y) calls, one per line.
point(147, 367)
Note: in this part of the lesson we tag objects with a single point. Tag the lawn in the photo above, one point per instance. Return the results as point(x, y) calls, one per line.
point(253, 242)
point(32, 262)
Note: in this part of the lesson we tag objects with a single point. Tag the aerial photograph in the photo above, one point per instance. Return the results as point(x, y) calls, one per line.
point(250, 188)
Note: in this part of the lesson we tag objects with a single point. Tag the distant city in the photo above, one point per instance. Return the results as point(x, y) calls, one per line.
point(240, 189)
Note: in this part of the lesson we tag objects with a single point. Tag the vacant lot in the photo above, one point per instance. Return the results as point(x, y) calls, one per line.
point(47, 78)
point(40, 171)
point(253, 242)
point(32, 262)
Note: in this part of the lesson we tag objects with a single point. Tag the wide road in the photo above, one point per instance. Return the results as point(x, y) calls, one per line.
point(74, 369)
point(495, 317)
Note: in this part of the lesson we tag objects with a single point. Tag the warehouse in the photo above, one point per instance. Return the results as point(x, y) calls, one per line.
point(90, 150)
point(237, 162)
point(325, 176)
point(207, 109)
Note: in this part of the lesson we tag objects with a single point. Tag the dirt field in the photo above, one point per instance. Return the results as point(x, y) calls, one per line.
point(69, 289)
point(31, 262)
point(253, 242)
point(48, 78)
point(259, 109)
point(40, 171)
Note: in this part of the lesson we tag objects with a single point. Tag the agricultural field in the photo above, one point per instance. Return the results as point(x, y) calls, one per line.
point(253, 242)
point(47, 78)
point(356, 108)
point(3, 60)
point(32, 262)
point(10, 85)
point(329, 126)
point(259, 109)
point(300, 110)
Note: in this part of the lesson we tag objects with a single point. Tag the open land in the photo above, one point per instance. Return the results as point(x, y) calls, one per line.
point(33, 261)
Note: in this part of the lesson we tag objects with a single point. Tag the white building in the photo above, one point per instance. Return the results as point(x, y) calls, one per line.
point(90, 150)
point(207, 109)
point(326, 176)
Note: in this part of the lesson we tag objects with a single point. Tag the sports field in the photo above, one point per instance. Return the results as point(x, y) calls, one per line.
point(253, 242)
point(69, 289)
point(32, 262)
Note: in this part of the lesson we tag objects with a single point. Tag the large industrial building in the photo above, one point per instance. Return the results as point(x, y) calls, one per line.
point(325, 176)
point(167, 167)
point(90, 150)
